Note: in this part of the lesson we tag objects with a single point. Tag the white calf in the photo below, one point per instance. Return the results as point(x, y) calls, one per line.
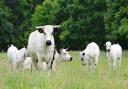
point(90, 55)
point(114, 55)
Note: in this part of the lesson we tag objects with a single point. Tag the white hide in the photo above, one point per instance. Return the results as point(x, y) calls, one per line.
point(63, 55)
point(90, 55)
point(21, 56)
point(114, 55)
point(27, 65)
point(12, 54)
point(41, 44)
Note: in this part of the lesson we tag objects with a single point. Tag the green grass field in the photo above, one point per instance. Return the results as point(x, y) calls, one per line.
point(69, 75)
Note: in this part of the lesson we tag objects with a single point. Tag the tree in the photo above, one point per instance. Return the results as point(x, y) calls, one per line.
point(116, 20)
point(6, 26)
point(82, 21)
point(21, 11)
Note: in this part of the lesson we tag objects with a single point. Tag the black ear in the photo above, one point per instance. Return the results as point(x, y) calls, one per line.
point(40, 30)
point(55, 30)
point(58, 51)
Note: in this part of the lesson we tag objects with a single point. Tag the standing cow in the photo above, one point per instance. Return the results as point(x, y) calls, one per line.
point(41, 44)
point(114, 55)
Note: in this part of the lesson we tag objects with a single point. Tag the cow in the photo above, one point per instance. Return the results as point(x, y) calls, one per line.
point(114, 55)
point(90, 55)
point(41, 44)
point(16, 57)
point(60, 56)
point(12, 54)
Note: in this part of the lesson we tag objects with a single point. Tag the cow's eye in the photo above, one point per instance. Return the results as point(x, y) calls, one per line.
point(41, 30)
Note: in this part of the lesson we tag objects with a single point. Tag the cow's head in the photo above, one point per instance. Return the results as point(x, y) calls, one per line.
point(48, 32)
point(84, 57)
point(64, 55)
point(108, 45)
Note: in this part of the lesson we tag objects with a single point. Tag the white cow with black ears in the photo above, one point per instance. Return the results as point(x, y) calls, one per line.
point(90, 55)
point(60, 56)
point(41, 44)
point(114, 55)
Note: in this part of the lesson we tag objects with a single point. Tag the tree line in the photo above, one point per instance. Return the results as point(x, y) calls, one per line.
point(82, 21)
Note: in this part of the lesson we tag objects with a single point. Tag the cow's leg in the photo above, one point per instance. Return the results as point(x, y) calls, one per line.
point(96, 61)
point(119, 63)
point(89, 65)
point(15, 66)
point(114, 63)
point(41, 65)
point(109, 63)
point(34, 63)
point(51, 60)
point(91, 60)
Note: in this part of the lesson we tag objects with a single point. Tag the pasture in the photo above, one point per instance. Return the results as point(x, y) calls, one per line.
point(69, 75)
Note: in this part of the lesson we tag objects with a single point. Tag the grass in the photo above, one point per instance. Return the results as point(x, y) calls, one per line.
point(69, 75)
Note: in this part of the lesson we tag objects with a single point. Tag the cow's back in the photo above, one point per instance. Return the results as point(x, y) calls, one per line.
point(116, 50)
point(12, 53)
point(93, 48)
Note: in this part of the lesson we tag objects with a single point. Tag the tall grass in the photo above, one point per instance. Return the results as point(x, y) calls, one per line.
point(69, 75)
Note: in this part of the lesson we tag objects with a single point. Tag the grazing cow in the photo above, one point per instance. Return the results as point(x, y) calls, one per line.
point(90, 55)
point(114, 55)
point(41, 44)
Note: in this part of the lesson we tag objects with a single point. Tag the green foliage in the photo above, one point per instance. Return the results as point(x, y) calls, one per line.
point(116, 19)
point(85, 19)
point(6, 25)
point(46, 13)
point(19, 14)
point(82, 21)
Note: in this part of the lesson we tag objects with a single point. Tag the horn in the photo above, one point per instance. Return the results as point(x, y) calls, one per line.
point(67, 48)
point(56, 26)
point(39, 27)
